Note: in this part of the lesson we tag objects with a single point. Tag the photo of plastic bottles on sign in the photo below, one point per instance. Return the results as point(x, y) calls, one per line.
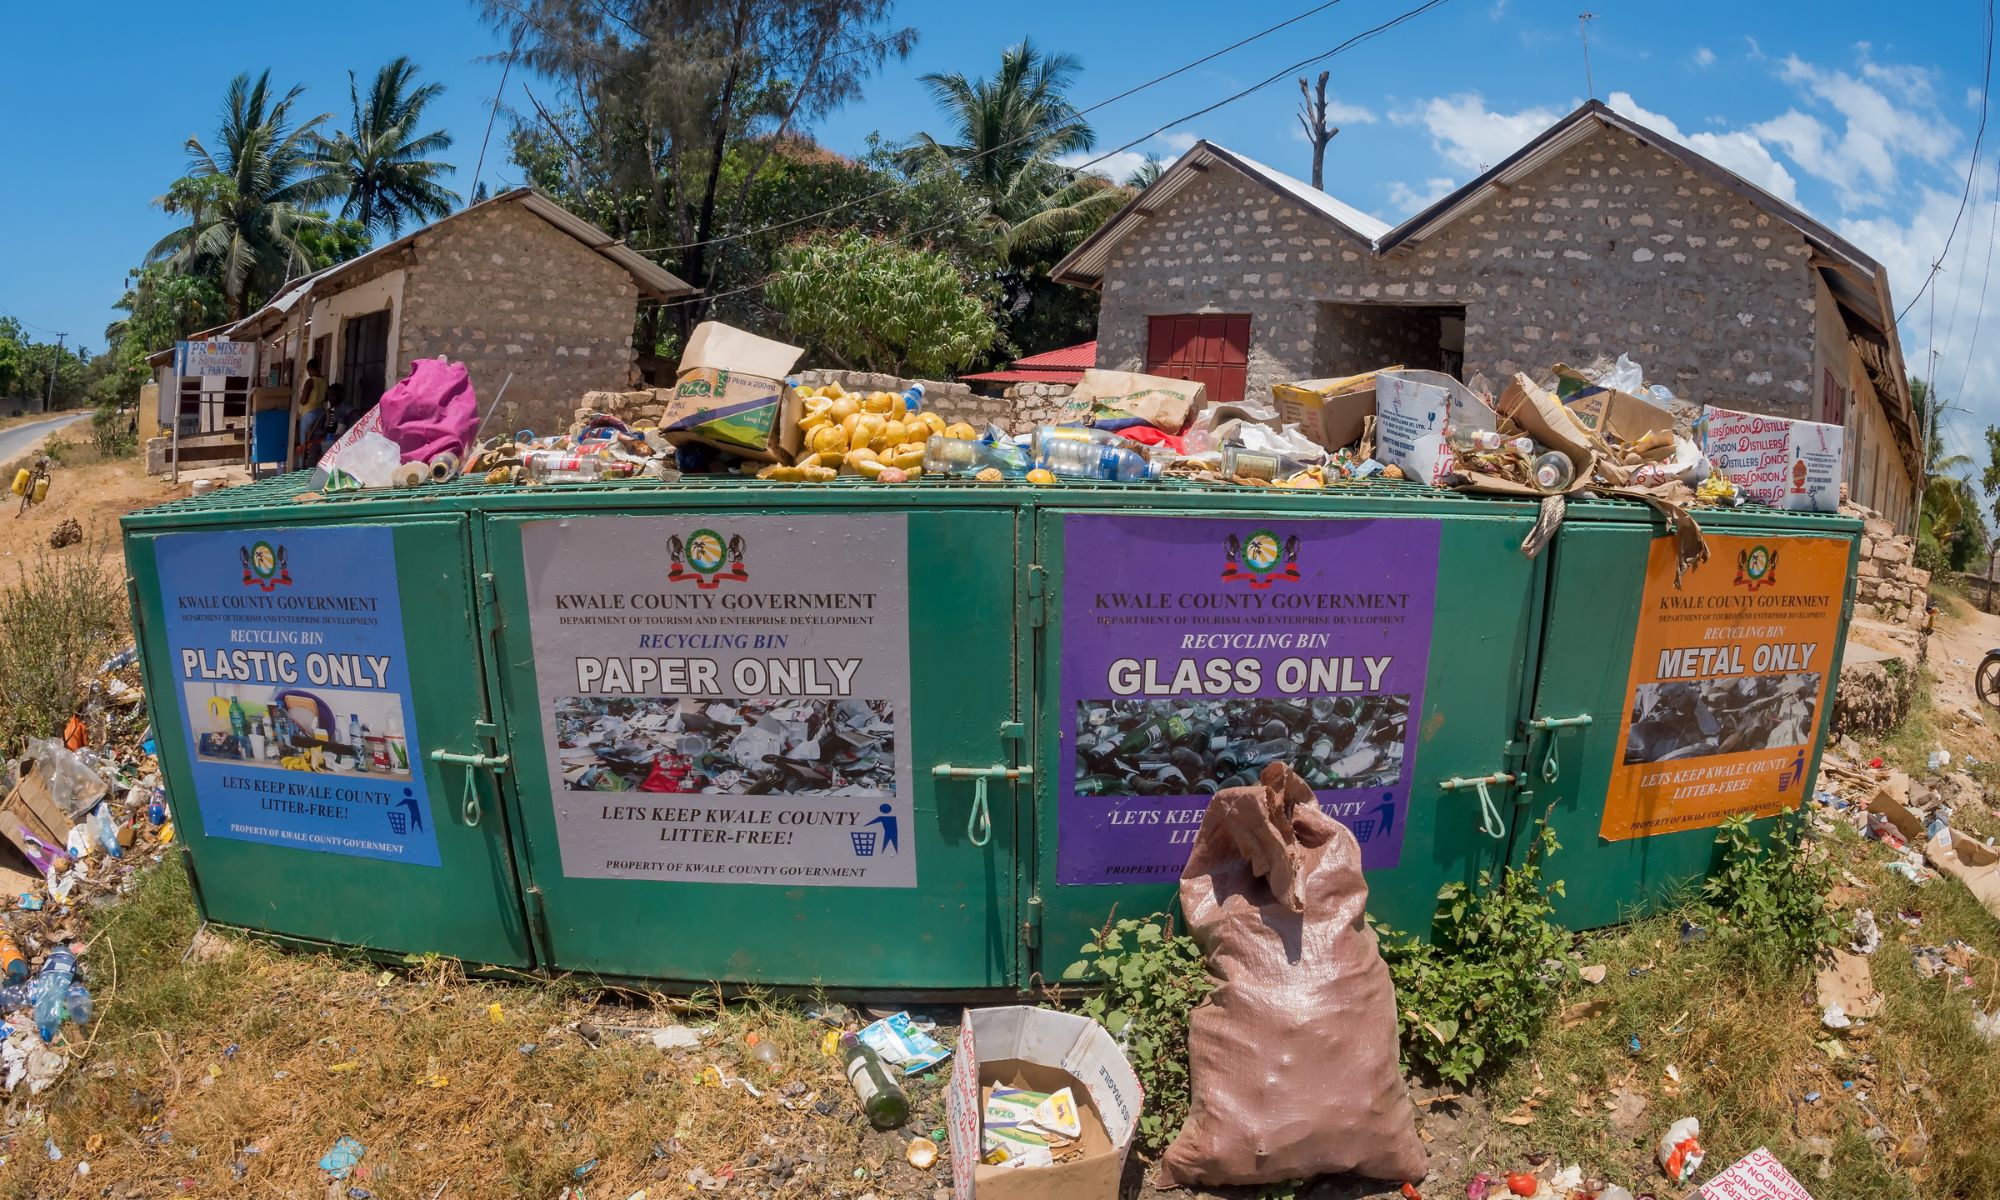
point(289, 662)
point(1197, 651)
point(726, 698)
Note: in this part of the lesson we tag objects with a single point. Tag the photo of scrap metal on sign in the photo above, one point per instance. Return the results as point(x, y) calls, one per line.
point(726, 698)
point(1729, 679)
point(1196, 651)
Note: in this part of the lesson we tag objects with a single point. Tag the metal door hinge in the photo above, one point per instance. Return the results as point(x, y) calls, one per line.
point(538, 913)
point(1012, 731)
point(1031, 924)
point(1038, 577)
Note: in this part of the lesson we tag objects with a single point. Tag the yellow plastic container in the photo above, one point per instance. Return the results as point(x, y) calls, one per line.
point(21, 482)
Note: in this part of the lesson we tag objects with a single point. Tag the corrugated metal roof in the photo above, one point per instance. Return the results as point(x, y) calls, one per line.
point(1081, 356)
point(1015, 375)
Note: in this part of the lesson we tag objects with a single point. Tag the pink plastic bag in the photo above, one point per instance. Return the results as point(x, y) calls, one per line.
point(431, 410)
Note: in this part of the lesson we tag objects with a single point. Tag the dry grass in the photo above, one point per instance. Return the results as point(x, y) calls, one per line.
point(236, 1070)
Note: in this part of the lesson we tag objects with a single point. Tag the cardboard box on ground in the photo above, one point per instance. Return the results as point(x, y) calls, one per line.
point(1041, 1050)
point(730, 393)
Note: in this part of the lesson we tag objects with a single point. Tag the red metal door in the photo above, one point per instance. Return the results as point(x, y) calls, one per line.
point(1211, 347)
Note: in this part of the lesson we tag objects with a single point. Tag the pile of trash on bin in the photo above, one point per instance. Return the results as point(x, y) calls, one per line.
point(81, 813)
point(737, 409)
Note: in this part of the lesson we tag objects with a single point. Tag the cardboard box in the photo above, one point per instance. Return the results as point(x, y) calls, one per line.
point(1612, 415)
point(1414, 412)
point(1332, 412)
point(730, 393)
point(1119, 398)
point(1039, 1048)
point(1756, 1176)
point(1793, 465)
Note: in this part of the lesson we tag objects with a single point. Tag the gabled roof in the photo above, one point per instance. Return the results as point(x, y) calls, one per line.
point(1063, 365)
point(1084, 266)
point(653, 279)
point(1859, 284)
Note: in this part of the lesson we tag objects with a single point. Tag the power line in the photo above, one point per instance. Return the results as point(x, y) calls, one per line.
point(942, 169)
point(30, 324)
point(1979, 311)
point(1978, 137)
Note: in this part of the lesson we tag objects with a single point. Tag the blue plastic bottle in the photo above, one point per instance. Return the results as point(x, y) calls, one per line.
point(105, 829)
point(48, 990)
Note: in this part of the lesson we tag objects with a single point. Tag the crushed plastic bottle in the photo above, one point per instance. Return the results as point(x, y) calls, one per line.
point(961, 456)
point(1077, 458)
point(49, 990)
point(104, 828)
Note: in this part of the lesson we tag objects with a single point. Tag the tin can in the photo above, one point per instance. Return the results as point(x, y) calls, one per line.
point(13, 963)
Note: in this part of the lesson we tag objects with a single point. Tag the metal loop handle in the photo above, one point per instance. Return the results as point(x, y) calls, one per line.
point(1490, 823)
point(1551, 769)
point(979, 822)
point(468, 810)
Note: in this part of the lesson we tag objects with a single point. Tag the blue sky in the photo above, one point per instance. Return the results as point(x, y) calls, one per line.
point(1861, 114)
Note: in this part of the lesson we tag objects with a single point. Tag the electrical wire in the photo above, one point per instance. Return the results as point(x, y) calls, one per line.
point(942, 169)
point(1971, 172)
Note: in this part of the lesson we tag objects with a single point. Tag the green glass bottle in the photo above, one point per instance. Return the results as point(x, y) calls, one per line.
point(881, 1097)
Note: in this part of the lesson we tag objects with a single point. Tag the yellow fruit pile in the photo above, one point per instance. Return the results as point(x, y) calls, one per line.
point(856, 433)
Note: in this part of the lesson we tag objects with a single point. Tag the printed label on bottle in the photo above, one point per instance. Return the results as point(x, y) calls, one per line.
point(864, 1084)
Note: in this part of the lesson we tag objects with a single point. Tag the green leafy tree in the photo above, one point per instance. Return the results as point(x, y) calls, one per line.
point(334, 242)
point(381, 160)
point(872, 305)
point(651, 100)
point(247, 200)
point(1951, 530)
point(1007, 136)
point(161, 307)
point(11, 339)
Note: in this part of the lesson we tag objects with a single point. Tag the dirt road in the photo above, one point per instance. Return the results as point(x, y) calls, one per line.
point(22, 438)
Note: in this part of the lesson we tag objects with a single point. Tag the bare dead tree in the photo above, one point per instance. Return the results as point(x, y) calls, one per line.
point(1312, 115)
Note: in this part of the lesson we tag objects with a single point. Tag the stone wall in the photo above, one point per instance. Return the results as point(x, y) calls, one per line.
point(1612, 247)
point(505, 291)
point(1037, 404)
point(1890, 590)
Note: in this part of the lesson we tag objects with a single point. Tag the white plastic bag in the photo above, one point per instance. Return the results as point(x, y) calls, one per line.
point(370, 460)
point(1624, 376)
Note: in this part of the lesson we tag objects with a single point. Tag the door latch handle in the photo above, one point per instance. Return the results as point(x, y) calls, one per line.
point(469, 806)
point(1490, 823)
point(1552, 770)
point(979, 823)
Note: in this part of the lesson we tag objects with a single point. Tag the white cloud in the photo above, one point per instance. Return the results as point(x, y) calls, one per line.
point(1866, 157)
point(1469, 135)
point(1704, 57)
point(1409, 200)
point(1349, 114)
point(1735, 149)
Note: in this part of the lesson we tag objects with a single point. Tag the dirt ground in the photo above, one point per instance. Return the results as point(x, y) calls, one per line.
point(94, 491)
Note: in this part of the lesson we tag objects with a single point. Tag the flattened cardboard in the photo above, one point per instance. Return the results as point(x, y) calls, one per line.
point(729, 392)
point(1166, 404)
point(1971, 862)
point(1332, 412)
point(1415, 411)
point(1758, 1175)
point(1544, 418)
point(1024, 1046)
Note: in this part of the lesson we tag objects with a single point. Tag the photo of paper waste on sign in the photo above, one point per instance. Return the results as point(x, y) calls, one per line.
point(725, 697)
point(1728, 683)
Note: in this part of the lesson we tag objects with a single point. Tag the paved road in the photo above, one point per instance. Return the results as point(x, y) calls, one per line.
point(16, 441)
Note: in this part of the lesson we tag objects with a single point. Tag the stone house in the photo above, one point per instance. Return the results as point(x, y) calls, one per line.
point(514, 285)
point(1598, 237)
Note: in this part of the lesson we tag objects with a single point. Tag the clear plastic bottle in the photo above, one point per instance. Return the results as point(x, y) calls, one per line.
point(104, 828)
point(357, 752)
point(1043, 435)
point(77, 1004)
point(46, 992)
point(562, 466)
point(1073, 458)
point(962, 456)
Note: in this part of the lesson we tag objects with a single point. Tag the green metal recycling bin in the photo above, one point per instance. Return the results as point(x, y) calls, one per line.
point(929, 738)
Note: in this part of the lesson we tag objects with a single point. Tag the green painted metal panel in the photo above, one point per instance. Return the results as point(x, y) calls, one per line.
point(1481, 650)
point(1598, 575)
point(469, 905)
point(958, 928)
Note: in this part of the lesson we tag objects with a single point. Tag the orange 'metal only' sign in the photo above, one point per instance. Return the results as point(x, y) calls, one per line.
point(1729, 676)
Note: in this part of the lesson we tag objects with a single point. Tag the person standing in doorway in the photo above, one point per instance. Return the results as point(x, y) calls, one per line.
point(312, 414)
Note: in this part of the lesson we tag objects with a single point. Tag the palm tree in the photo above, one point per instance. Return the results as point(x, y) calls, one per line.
point(1008, 133)
point(1146, 175)
point(382, 161)
point(247, 200)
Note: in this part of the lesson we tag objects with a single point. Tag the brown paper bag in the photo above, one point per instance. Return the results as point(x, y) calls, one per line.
point(1292, 1059)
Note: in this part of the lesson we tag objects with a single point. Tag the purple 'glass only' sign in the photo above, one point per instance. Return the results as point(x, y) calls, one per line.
point(1197, 650)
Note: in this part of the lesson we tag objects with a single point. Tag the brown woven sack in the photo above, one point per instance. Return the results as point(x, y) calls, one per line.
point(1292, 1058)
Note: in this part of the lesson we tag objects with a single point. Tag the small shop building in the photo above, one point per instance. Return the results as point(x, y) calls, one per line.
point(514, 286)
point(1598, 237)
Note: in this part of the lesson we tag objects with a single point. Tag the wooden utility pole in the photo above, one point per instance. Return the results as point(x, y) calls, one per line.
point(1312, 115)
point(49, 393)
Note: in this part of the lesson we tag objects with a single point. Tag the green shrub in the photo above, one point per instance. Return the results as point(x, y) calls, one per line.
point(111, 428)
point(1481, 988)
point(1153, 978)
point(63, 616)
point(1773, 892)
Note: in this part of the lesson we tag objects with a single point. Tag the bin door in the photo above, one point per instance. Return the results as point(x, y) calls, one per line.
point(728, 725)
point(1382, 655)
point(301, 678)
point(1704, 700)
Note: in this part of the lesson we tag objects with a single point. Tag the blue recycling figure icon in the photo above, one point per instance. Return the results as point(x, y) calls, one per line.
point(864, 840)
point(1381, 821)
